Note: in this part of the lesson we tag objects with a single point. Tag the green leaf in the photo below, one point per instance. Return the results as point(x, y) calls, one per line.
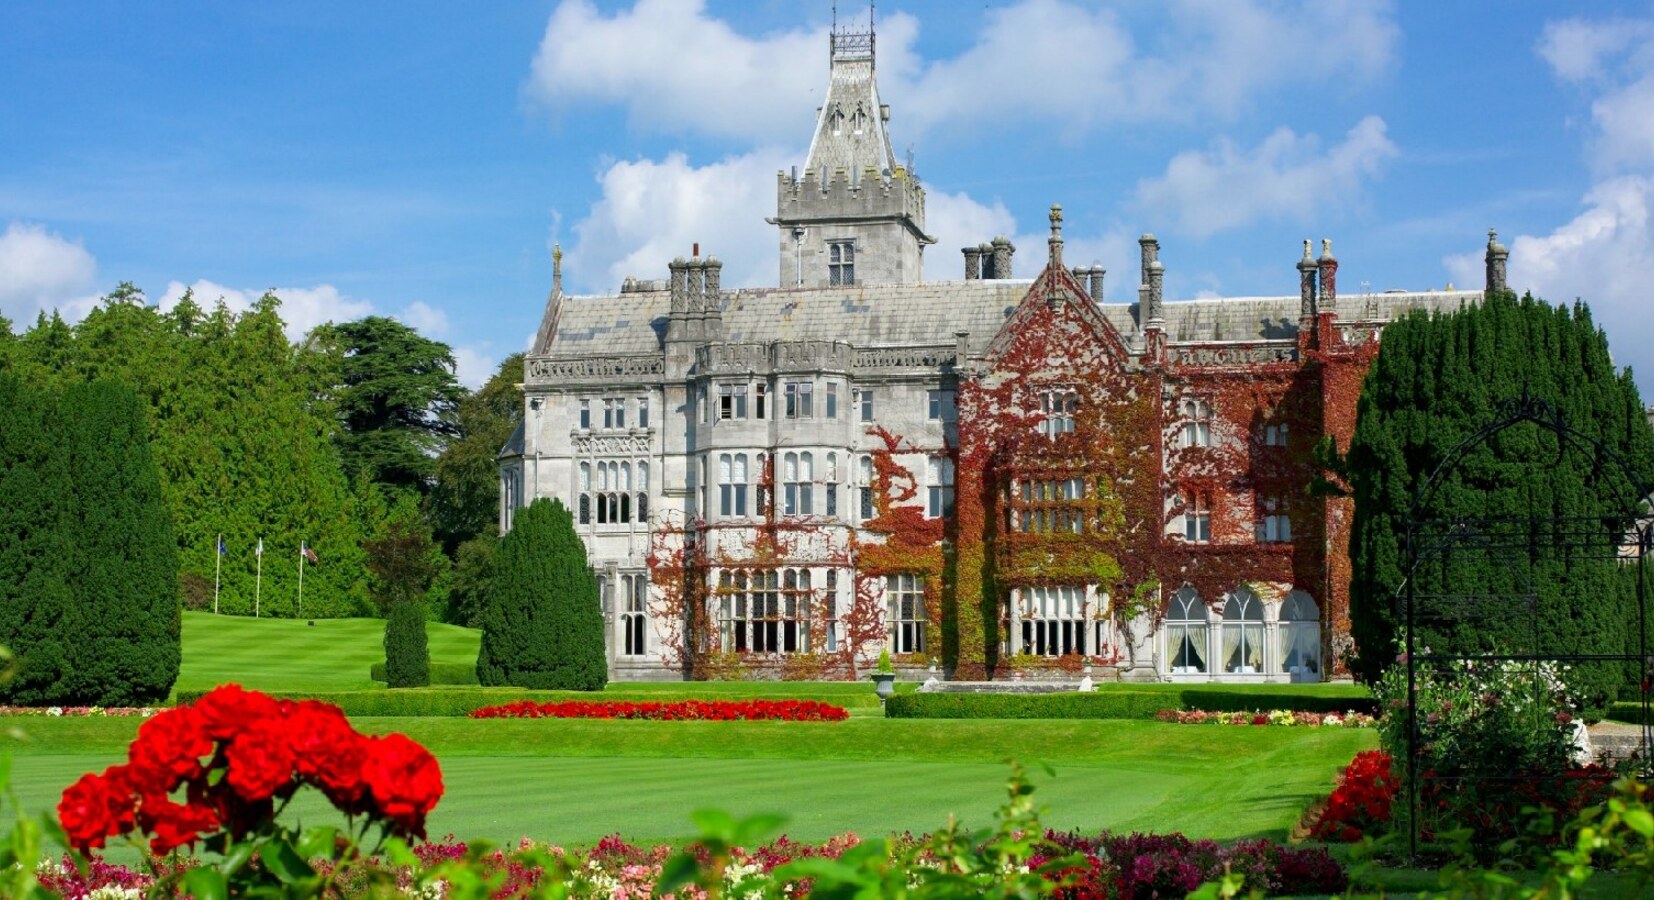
point(284, 862)
point(236, 857)
point(205, 883)
point(320, 841)
point(1641, 821)
point(753, 829)
point(680, 869)
point(398, 854)
point(714, 824)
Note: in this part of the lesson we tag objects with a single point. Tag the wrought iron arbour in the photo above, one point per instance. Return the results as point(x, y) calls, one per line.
point(1620, 539)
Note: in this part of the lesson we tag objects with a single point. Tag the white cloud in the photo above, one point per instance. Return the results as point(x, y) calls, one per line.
point(425, 319)
point(1616, 59)
point(1288, 176)
point(42, 270)
point(677, 69)
point(474, 365)
point(302, 309)
point(957, 221)
point(654, 210)
point(1578, 50)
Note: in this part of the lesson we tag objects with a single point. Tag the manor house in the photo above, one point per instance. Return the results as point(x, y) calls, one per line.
point(990, 476)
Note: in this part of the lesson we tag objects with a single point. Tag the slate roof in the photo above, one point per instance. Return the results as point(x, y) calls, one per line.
point(928, 313)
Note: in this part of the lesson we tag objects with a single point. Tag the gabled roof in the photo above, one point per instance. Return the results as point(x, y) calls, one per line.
point(1056, 285)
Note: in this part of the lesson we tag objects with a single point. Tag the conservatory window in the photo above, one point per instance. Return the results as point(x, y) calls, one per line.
point(1300, 635)
point(1053, 620)
point(1197, 423)
point(1186, 633)
point(905, 595)
point(1243, 633)
point(635, 591)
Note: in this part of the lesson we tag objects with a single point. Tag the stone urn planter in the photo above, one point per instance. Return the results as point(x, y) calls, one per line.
point(884, 684)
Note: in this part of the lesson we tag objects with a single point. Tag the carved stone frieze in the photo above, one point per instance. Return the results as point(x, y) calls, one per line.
point(611, 444)
point(1233, 356)
point(725, 358)
point(596, 367)
point(812, 355)
point(906, 357)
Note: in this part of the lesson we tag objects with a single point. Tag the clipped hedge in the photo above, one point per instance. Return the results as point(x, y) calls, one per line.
point(456, 701)
point(441, 673)
point(1626, 711)
point(1112, 704)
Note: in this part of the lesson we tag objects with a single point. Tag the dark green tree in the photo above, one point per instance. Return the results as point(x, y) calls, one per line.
point(465, 497)
point(1436, 380)
point(468, 583)
point(402, 560)
point(396, 398)
point(543, 627)
point(34, 553)
point(407, 656)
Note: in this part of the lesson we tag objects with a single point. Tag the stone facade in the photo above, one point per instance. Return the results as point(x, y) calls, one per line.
point(777, 482)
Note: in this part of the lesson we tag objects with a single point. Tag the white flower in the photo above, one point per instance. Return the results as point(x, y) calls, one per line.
point(111, 892)
point(54, 711)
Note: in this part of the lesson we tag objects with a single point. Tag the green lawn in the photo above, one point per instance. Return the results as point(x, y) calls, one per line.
point(574, 781)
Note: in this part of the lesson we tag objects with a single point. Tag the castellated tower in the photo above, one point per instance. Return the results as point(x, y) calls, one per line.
point(855, 216)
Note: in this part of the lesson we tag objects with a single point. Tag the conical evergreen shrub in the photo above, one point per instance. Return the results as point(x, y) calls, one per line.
point(542, 626)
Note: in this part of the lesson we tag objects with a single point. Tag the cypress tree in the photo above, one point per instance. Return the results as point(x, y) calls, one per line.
point(123, 623)
point(407, 656)
point(1437, 380)
point(34, 588)
point(542, 627)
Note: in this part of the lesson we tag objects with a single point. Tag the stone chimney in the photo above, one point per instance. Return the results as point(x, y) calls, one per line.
point(1096, 283)
point(712, 299)
point(679, 270)
point(1148, 294)
point(1496, 257)
point(1002, 250)
point(1055, 241)
point(557, 268)
point(1306, 284)
point(1328, 268)
point(973, 263)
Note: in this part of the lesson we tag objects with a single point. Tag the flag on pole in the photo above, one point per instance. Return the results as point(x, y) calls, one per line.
point(304, 549)
point(222, 549)
point(260, 551)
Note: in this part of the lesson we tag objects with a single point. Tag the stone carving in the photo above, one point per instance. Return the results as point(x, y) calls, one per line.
point(812, 355)
point(611, 444)
point(906, 358)
point(1234, 356)
point(597, 367)
point(716, 358)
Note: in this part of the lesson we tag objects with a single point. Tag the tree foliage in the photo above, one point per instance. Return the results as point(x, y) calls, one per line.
point(396, 398)
point(464, 500)
point(402, 559)
point(90, 602)
point(542, 627)
point(1436, 380)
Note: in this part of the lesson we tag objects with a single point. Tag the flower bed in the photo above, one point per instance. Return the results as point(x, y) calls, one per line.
point(1123, 866)
point(1300, 718)
point(144, 712)
point(676, 711)
point(1362, 802)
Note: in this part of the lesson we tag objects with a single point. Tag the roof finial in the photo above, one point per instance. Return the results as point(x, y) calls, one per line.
point(1056, 234)
point(557, 268)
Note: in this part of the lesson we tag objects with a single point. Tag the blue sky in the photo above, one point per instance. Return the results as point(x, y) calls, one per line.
point(419, 159)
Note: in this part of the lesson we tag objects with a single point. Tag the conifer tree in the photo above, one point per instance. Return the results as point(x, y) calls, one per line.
point(407, 655)
point(123, 563)
point(1436, 380)
point(543, 627)
point(34, 587)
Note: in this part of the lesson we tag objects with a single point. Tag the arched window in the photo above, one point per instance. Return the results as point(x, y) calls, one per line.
point(1186, 633)
point(643, 492)
point(1243, 633)
point(1197, 423)
point(632, 617)
point(806, 484)
point(726, 485)
point(832, 484)
point(1300, 637)
point(789, 484)
point(864, 488)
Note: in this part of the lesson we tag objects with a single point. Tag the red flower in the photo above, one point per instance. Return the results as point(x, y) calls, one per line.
point(228, 710)
point(328, 753)
point(168, 751)
point(261, 760)
point(173, 824)
point(404, 781)
point(97, 807)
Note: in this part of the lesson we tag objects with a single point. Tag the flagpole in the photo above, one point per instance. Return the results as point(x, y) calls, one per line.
point(299, 609)
point(258, 579)
point(217, 569)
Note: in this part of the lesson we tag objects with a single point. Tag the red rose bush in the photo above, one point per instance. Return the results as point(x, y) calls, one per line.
point(681, 710)
point(216, 772)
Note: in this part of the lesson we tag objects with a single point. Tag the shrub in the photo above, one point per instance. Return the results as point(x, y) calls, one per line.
point(676, 711)
point(542, 627)
point(1103, 705)
point(445, 673)
point(407, 657)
